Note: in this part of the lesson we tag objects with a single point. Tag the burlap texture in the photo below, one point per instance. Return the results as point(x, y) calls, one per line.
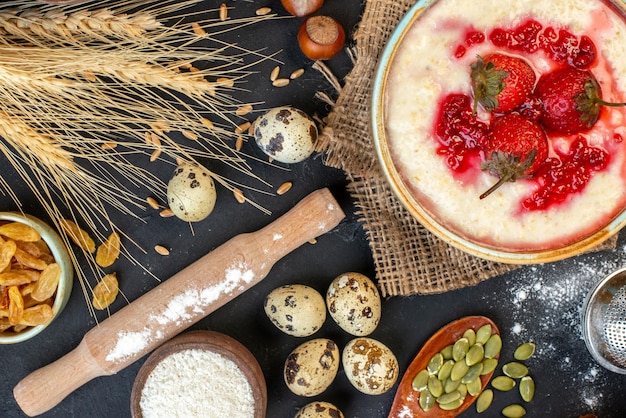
point(408, 259)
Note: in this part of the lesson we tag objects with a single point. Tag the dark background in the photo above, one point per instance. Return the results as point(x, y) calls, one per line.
point(537, 303)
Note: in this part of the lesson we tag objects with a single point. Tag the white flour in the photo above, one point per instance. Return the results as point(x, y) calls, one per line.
point(196, 383)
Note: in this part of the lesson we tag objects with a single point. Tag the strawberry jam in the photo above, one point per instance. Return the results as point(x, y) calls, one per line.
point(460, 134)
point(530, 36)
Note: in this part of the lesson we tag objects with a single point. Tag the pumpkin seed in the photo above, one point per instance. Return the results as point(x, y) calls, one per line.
point(475, 355)
point(449, 397)
point(460, 349)
point(515, 370)
point(447, 352)
point(427, 400)
point(451, 385)
point(462, 390)
point(420, 381)
point(459, 370)
point(489, 365)
point(445, 370)
point(527, 388)
point(493, 346)
point(483, 334)
point(503, 383)
point(524, 351)
point(451, 405)
point(470, 334)
point(435, 387)
point(474, 387)
point(484, 400)
point(514, 411)
point(435, 363)
point(473, 373)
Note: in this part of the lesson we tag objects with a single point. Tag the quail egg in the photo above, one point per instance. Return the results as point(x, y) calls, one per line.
point(191, 192)
point(354, 303)
point(296, 309)
point(370, 366)
point(319, 410)
point(286, 134)
point(311, 367)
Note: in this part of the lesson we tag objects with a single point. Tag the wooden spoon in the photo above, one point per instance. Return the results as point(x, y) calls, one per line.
point(406, 401)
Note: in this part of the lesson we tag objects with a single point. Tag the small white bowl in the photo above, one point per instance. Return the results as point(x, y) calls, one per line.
point(61, 256)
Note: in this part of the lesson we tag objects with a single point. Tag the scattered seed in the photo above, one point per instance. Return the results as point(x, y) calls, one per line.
point(420, 381)
point(239, 143)
point(161, 250)
point(296, 73)
point(148, 137)
point(223, 12)
point(89, 75)
point(243, 110)
point(179, 161)
point(484, 400)
point(270, 159)
point(226, 82)
point(527, 388)
point(206, 122)
point(313, 241)
point(503, 383)
point(155, 140)
point(280, 82)
point(239, 195)
point(242, 128)
point(197, 29)
point(274, 73)
point(284, 188)
point(109, 145)
point(514, 411)
point(190, 135)
point(263, 11)
point(524, 351)
point(515, 370)
point(166, 213)
point(155, 155)
point(152, 202)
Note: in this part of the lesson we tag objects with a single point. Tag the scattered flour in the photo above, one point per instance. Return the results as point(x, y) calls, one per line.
point(185, 308)
point(554, 302)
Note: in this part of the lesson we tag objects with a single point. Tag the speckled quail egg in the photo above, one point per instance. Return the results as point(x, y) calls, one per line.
point(370, 366)
point(286, 134)
point(311, 367)
point(296, 309)
point(191, 192)
point(319, 410)
point(354, 303)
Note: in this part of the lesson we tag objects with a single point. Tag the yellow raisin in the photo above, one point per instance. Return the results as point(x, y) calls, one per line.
point(105, 292)
point(7, 251)
point(16, 305)
point(29, 261)
point(47, 283)
point(108, 251)
point(19, 232)
point(37, 315)
point(79, 236)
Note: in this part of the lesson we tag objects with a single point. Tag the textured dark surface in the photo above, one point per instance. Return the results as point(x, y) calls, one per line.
point(538, 303)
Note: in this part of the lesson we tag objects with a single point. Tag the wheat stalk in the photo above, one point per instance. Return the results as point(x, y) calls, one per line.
point(72, 79)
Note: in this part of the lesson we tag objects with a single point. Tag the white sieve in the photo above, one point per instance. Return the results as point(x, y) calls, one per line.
point(604, 322)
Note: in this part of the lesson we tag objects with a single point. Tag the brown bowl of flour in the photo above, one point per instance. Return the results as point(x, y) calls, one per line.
point(200, 374)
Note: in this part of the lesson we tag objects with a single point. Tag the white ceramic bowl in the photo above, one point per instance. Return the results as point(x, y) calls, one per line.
point(61, 256)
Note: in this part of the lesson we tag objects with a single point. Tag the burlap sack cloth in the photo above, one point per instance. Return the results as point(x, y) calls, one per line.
point(408, 259)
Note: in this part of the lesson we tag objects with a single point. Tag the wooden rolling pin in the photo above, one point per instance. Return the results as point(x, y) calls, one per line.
point(178, 303)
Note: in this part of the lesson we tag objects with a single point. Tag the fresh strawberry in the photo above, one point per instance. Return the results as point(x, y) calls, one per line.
point(501, 82)
point(517, 147)
point(571, 100)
